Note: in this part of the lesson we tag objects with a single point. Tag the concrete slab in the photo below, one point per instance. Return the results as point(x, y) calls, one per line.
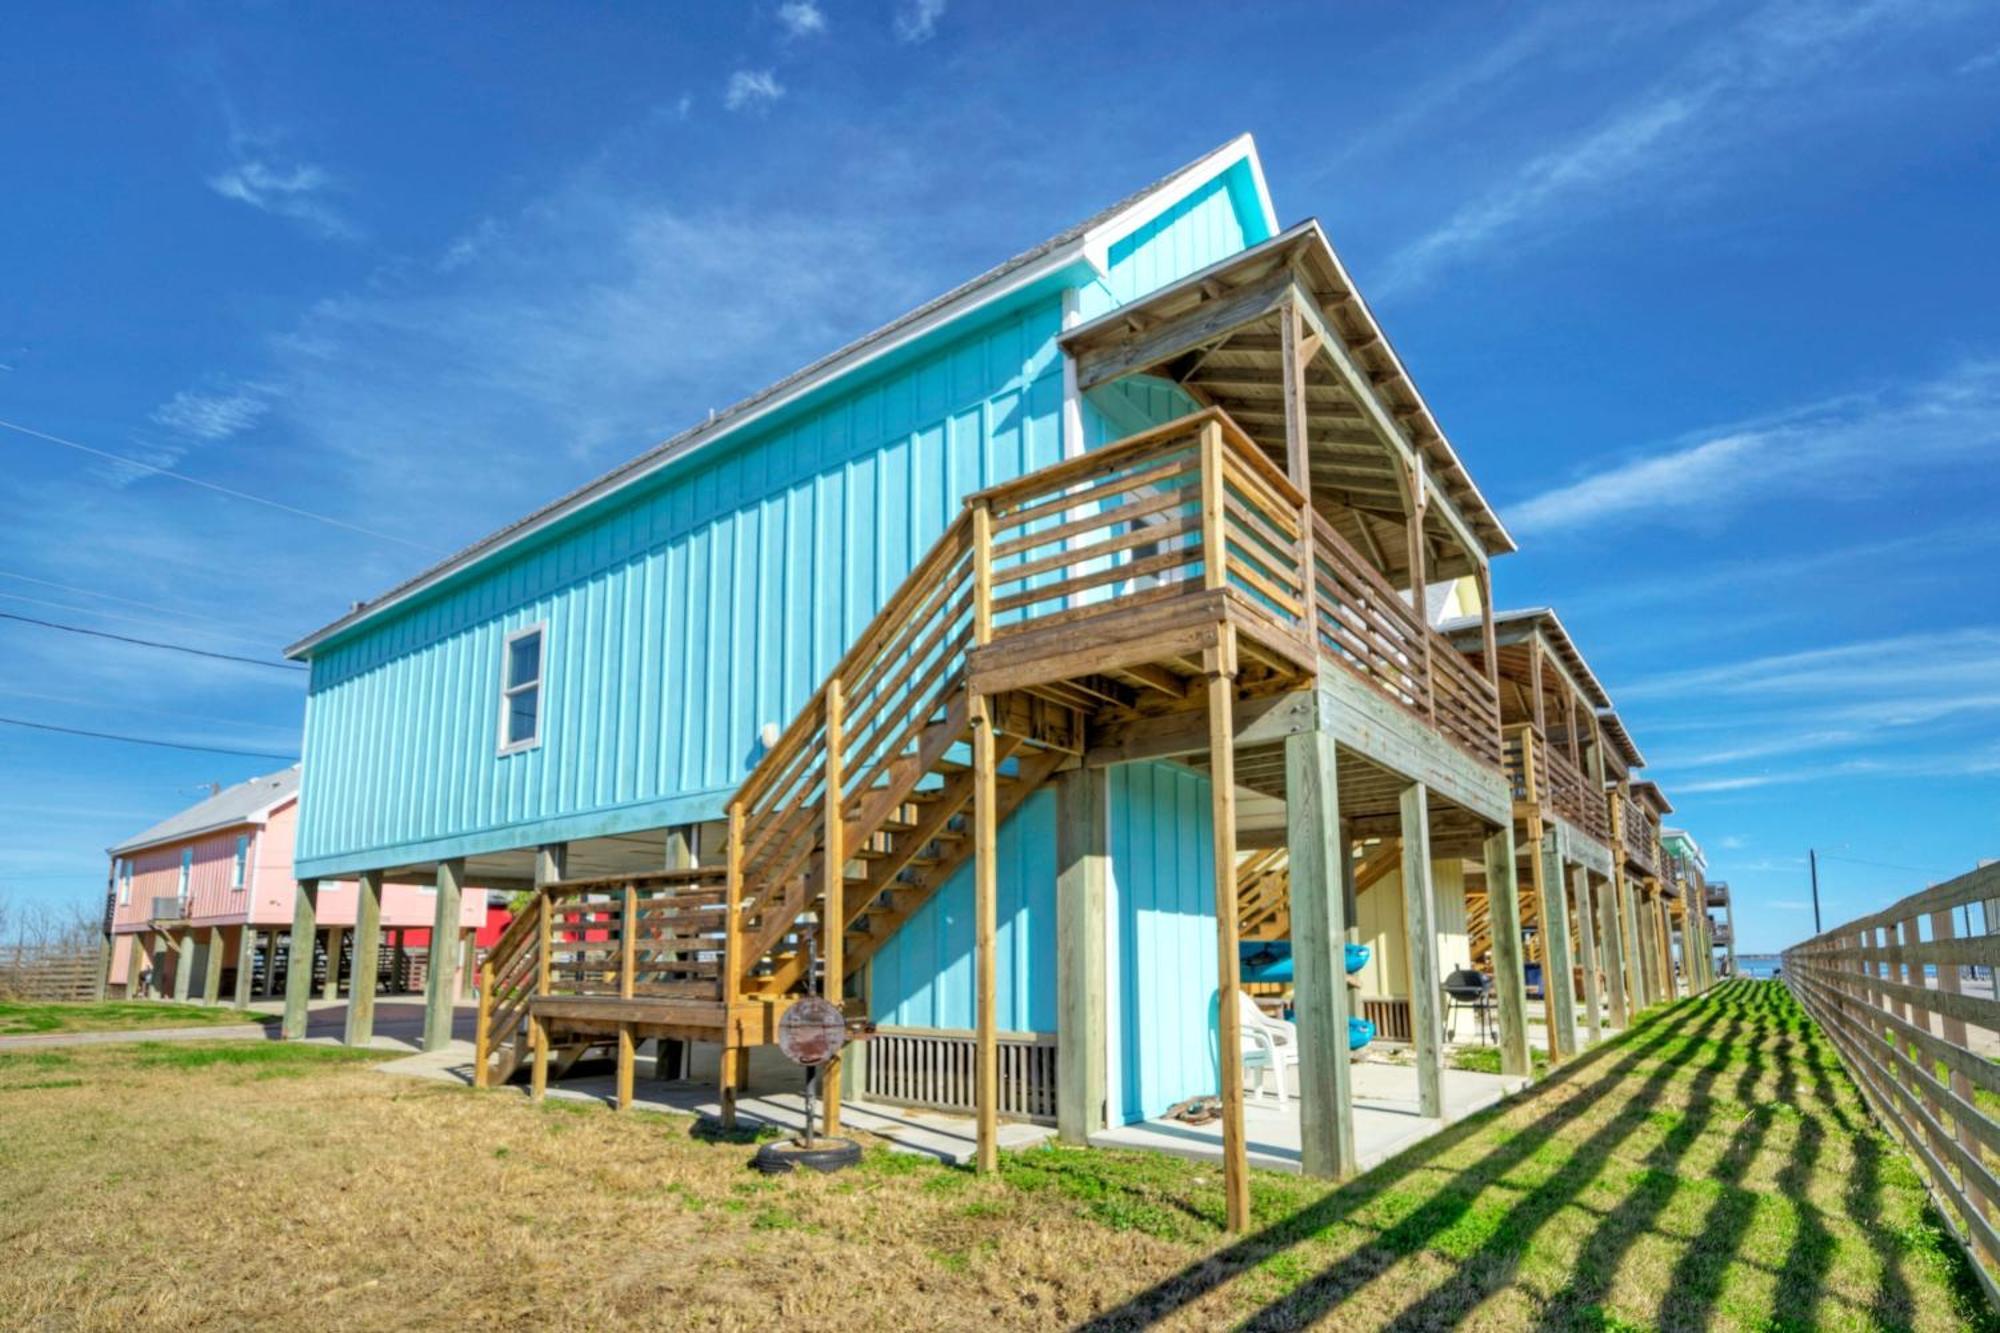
point(1385, 1119)
point(948, 1138)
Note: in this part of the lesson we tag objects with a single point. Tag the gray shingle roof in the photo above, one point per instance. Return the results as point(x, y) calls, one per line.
point(233, 805)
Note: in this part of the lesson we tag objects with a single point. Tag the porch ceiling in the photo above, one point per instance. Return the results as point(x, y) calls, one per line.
point(1219, 335)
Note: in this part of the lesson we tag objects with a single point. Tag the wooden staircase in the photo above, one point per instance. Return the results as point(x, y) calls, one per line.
point(1096, 584)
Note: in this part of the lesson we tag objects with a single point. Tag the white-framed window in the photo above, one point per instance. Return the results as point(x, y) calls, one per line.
point(240, 866)
point(521, 664)
point(187, 870)
point(124, 882)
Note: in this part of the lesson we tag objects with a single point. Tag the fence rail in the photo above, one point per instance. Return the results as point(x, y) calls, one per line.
point(1888, 991)
point(42, 975)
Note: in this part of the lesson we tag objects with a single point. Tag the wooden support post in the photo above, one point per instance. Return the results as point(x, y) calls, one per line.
point(1298, 450)
point(1420, 928)
point(551, 865)
point(299, 974)
point(183, 946)
point(985, 915)
point(441, 971)
point(361, 978)
point(732, 964)
point(1558, 979)
point(1586, 928)
point(1219, 665)
point(1504, 907)
point(833, 878)
point(468, 963)
point(211, 982)
point(246, 963)
point(102, 986)
point(482, 1030)
point(628, 973)
point(1317, 855)
point(330, 988)
point(1083, 853)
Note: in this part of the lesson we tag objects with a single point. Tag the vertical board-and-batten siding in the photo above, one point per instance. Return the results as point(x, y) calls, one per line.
point(703, 603)
point(678, 624)
point(1161, 982)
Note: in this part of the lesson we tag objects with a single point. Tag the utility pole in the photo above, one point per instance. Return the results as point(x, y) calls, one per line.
point(1812, 859)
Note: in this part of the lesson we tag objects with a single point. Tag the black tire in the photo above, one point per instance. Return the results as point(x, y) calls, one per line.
point(787, 1155)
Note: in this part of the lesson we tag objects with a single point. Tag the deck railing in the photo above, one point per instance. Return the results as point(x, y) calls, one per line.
point(1638, 833)
point(1367, 627)
point(1888, 990)
point(1557, 784)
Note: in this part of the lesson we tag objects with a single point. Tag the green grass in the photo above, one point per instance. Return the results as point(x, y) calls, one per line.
point(1714, 1166)
point(25, 1019)
point(1486, 1059)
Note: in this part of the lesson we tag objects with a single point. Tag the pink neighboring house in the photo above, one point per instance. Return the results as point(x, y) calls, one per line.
point(217, 878)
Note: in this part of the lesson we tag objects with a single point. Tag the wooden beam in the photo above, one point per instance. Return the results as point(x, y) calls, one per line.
point(985, 913)
point(211, 982)
point(1503, 906)
point(441, 972)
point(1083, 853)
point(1263, 720)
point(1611, 940)
point(299, 976)
point(329, 989)
point(1586, 928)
point(551, 867)
point(1203, 323)
point(1558, 978)
point(367, 952)
point(246, 964)
point(1319, 866)
point(1420, 929)
point(833, 881)
point(1219, 665)
point(183, 946)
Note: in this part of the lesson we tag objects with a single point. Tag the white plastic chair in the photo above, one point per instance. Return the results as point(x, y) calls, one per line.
point(1270, 1046)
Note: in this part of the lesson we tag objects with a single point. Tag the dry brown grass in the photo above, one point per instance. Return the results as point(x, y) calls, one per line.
point(1710, 1170)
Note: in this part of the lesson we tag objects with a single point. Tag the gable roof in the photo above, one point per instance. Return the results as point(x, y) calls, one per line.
point(1086, 243)
point(1468, 631)
point(245, 803)
point(1621, 739)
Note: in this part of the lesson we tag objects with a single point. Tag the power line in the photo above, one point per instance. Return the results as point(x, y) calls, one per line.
point(141, 740)
point(177, 612)
point(153, 643)
point(214, 486)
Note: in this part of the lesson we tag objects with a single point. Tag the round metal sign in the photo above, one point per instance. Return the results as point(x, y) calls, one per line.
point(812, 1031)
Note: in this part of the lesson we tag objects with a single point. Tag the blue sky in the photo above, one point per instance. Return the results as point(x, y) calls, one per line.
point(1703, 291)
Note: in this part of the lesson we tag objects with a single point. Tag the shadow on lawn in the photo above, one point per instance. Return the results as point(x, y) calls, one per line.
point(1692, 1047)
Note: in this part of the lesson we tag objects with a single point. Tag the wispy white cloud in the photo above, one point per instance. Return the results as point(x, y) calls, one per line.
point(1747, 79)
point(801, 18)
point(752, 90)
point(1982, 62)
point(210, 417)
point(299, 191)
point(917, 20)
point(1842, 445)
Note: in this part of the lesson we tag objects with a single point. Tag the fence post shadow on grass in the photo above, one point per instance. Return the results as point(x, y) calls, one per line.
point(1894, 1303)
point(1695, 1288)
point(1628, 1050)
point(1483, 1272)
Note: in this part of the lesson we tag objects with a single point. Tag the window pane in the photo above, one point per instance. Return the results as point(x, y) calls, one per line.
point(521, 710)
point(524, 660)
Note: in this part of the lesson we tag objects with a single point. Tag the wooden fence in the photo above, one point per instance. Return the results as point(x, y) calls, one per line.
point(32, 974)
point(1890, 993)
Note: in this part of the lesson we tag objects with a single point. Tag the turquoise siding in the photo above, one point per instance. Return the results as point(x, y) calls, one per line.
point(703, 606)
point(1162, 983)
point(923, 976)
point(1161, 903)
point(1209, 225)
point(689, 610)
